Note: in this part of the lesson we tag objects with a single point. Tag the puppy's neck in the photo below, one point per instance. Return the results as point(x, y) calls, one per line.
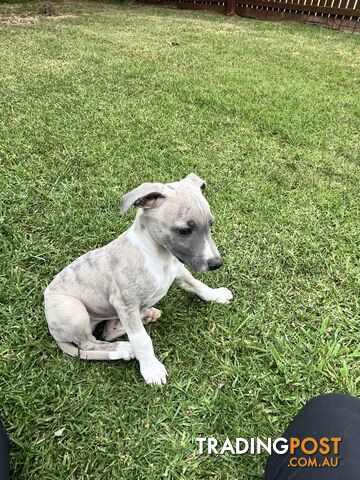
point(140, 235)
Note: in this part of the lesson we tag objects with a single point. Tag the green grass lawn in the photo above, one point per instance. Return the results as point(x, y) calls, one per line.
point(105, 97)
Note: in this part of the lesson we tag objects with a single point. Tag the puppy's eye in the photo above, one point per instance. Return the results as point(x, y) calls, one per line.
point(185, 232)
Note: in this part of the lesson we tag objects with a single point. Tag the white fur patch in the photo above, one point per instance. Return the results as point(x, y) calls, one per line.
point(207, 251)
point(124, 352)
point(115, 355)
point(142, 345)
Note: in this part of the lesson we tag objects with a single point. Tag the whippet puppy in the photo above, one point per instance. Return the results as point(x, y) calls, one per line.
point(120, 282)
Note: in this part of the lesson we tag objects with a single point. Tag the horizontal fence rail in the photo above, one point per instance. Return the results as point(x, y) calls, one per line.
point(337, 14)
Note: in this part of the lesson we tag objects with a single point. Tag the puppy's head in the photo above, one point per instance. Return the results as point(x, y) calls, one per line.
point(178, 217)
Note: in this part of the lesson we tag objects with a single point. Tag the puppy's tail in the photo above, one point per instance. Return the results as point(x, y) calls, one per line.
point(98, 354)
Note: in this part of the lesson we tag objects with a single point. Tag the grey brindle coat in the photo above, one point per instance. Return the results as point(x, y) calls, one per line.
point(120, 282)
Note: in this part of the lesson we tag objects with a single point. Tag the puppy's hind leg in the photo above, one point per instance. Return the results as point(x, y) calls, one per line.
point(69, 324)
point(150, 315)
point(114, 329)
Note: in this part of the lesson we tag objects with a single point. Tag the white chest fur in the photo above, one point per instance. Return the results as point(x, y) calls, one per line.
point(162, 276)
point(161, 269)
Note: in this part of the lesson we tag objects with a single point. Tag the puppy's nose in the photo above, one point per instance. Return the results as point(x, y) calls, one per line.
point(215, 263)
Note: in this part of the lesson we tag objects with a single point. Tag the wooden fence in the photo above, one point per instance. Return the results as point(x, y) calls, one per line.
point(338, 14)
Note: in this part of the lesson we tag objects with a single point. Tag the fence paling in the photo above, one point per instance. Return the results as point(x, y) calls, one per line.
point(296, 7)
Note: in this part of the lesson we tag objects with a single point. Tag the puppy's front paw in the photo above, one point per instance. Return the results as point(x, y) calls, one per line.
point(154, 372)
point(221, 295)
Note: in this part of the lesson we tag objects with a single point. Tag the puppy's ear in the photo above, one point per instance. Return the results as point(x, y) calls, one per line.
point(195, 180)
point(147, 195)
